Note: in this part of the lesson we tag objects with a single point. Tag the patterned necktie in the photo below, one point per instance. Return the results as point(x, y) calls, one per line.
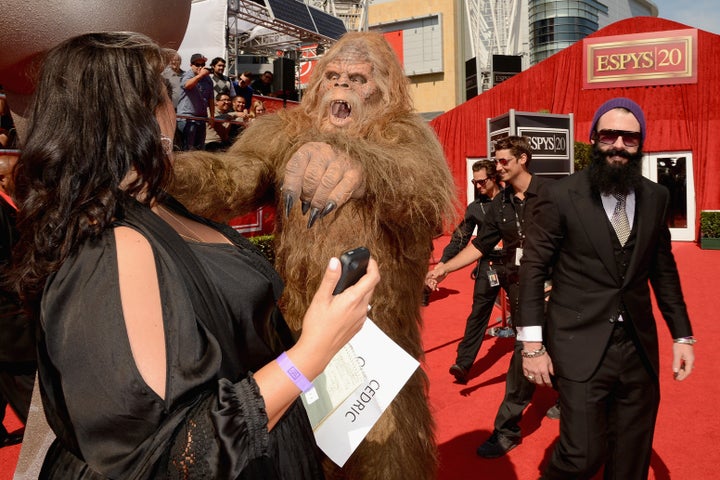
point(619, 220)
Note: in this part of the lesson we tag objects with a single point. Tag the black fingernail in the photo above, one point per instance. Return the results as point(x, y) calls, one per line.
point(305, 206)
point(328, 208)
point(289, 201)
point(313, 216)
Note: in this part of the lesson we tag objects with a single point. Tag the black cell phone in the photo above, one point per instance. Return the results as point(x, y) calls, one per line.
point(354, 265)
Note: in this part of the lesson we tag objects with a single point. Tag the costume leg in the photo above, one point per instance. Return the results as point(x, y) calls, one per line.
point(483, 301)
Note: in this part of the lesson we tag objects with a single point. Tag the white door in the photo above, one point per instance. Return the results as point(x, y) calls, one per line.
point(675, 171)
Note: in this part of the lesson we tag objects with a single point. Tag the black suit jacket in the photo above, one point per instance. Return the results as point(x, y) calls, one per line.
point(571, 239)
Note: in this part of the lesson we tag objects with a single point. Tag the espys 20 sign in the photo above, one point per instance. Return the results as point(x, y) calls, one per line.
point(654, 58)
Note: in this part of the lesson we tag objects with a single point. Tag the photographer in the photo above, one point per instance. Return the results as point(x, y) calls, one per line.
point(196, 98)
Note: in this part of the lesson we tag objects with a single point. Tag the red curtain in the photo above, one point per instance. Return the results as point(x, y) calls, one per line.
point(679, 117)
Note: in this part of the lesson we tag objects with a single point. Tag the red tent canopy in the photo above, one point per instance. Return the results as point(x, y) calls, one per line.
point(679, 117)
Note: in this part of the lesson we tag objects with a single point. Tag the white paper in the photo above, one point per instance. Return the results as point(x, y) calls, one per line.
point(339, 379)
point(387, 368)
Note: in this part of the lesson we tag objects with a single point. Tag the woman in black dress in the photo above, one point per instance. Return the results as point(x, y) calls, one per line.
point(158, 330)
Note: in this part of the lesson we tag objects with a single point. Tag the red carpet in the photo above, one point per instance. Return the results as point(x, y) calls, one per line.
point(688, 428)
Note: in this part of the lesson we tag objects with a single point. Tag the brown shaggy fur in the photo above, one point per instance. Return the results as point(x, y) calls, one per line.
point(408, 199)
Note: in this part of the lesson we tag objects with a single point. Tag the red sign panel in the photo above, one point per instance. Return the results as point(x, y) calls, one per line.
point(654, 58)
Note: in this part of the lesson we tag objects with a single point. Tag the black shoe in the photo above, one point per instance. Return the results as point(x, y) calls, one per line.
point(10, 439)
point(459, 373)
point(553, 412)
point(497, 445)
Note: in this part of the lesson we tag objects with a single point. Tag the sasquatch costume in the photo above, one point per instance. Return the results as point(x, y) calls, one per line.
point(392, 193)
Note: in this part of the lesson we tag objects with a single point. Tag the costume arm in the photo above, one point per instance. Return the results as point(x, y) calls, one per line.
point(405, 173)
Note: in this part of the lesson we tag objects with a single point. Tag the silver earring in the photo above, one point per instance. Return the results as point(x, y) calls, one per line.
point(167, 144)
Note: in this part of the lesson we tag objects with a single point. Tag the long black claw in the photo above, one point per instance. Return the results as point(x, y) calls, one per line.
point(314, 214)
point(289, 201)
point(328, 208)
point(305, 206)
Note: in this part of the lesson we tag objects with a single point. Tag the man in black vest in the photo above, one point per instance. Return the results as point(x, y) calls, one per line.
point(603, 235)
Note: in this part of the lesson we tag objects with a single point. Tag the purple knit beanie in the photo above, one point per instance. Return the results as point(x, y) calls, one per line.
point(620, 102)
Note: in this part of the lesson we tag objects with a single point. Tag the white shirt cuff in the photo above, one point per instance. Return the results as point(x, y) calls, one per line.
point(529, 334)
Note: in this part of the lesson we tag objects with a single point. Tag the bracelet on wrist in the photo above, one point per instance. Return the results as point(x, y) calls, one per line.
point(685, 340)
point(533, 353)
point(293, 373)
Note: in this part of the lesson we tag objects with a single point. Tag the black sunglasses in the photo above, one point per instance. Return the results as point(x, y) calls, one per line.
point(199, 64)
point(479, 183)
point(609, 137)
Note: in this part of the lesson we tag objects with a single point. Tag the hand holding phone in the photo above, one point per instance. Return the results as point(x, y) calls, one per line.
point(354, 264)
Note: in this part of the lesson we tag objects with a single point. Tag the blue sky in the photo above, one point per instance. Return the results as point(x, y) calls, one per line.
point(702, 14)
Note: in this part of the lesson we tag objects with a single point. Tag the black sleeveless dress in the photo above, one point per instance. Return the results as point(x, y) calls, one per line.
point(221, 321)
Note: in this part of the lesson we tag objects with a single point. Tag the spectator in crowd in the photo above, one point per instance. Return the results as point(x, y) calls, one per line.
point(239, 115)
point(8, 135)
point(263, 84)
point(173, 73)
point(488, 273)
point(158, 329)
point(239, 108)
point(257, 109)
point(511, 213)
point(602, 234)
point(17, 340)
point(244, 89)
point(196, 98)
point(221, 83)
point(218, 135)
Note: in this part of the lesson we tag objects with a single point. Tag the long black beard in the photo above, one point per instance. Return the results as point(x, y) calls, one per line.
point(609, 179)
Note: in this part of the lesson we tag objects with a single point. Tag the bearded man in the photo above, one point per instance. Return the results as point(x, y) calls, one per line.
point(602, 236)
point(351, 165)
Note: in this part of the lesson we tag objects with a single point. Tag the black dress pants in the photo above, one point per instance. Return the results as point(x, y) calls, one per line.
point(609, 419)
point(518, 389)
point(484, 297)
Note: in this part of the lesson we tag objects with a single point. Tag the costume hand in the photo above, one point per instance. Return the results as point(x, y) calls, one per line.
point(332, 320)
point(322, 178)
point(683, 360)
point(537, 370)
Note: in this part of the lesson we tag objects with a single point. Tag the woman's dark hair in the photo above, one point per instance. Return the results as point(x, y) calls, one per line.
point(92, 143)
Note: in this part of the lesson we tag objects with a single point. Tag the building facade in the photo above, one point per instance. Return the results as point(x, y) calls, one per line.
point(448, 46)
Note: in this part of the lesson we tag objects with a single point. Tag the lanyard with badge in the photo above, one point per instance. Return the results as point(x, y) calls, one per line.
point(519, 225)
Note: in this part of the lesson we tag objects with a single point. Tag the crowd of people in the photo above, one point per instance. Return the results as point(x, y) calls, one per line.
point(212, 108)
point(206, 383)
